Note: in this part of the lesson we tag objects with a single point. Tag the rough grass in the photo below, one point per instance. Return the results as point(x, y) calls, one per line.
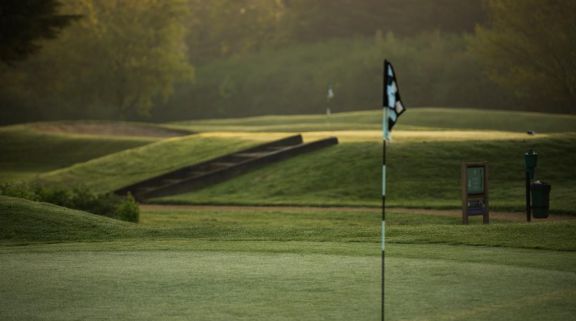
point(422, 172)
point(120, 169)
point(27, 221)
point(416, 119)
point(26, 153)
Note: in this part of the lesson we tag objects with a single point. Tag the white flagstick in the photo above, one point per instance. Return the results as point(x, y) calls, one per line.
point(385, 136)
point(393, 108)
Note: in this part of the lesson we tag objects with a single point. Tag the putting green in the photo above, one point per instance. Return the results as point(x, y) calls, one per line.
point(92, 282)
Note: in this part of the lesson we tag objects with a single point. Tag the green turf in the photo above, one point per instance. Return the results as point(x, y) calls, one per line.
point(27, 221)
point(278, 264)
point(120, 169)
point(26, 153)
point(443, 283)
point(303, 263)
point(24, 221)
point(421, 173)
point(417, 118)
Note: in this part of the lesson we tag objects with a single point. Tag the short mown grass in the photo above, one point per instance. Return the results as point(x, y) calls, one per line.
point(300, 263)
point(26, 221)
point(422, 172)
point(26, 153)
point(106, 174)
point(280, 264)
point(416, 119)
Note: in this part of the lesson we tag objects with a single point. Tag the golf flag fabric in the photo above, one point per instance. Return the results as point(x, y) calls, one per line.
point(393, 106)
point(330, 94)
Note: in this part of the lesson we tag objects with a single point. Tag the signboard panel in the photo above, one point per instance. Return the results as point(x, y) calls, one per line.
point(475, 181)
point(474, 191)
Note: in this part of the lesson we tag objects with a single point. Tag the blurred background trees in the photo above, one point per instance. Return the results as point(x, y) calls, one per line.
point(529, 47)
point(184, 59)
point(115, 62)
point(24, 22)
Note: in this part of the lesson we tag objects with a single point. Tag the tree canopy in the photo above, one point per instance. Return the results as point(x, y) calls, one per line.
point(529, 48)
point(24, 22)
point(115, 62)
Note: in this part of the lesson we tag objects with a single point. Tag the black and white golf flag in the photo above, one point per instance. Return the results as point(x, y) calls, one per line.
point(393, 108)
point(392, 103)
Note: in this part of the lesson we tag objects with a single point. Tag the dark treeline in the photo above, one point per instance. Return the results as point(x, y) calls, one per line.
point(182, 59)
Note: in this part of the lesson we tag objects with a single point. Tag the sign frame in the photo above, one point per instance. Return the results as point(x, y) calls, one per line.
point(475, 191)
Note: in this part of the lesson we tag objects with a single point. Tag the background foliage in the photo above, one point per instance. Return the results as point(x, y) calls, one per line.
point(529, 48)
point(117, 61)
point(80, 198)
point(136, 59)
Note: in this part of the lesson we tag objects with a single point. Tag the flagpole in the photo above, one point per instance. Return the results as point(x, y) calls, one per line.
point(392, 109)
point(384, 137)
point(383, 219)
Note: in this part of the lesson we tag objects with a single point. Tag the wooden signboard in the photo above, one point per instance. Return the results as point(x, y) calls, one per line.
point(475, 191)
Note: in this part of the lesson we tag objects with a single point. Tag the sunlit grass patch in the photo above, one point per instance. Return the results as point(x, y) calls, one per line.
point(104, 128)
point(25, 152)
point(117, 170)
point(422, 172)
point(416, 119)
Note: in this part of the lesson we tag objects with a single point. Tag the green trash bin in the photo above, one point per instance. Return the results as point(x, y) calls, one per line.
point(540, 199)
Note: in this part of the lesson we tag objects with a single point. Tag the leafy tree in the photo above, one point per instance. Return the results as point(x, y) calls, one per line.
point(317, 20)
point(529, 48)
point(220, 28)
point(116, 62)
point(24, 22)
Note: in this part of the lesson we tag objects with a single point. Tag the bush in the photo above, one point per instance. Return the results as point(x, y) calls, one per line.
point(128, 210)
point(80, 198)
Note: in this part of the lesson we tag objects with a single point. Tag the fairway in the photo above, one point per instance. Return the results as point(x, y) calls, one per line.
point(450, 283)
point(296, 240)
point(287, 160)
point(289, 263)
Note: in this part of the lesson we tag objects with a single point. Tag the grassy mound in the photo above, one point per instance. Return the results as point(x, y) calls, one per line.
point(117, 170)
point(25, 152)
point(22, 220)
point(417, 118)
point(423, 171)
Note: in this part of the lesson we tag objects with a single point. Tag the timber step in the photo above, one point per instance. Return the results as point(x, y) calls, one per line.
point(219, 169)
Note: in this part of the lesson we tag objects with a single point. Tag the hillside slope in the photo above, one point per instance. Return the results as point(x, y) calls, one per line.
point(108, 173)
point(422, 172)
point(415, 119)
point(25, 152)
point(27, 221)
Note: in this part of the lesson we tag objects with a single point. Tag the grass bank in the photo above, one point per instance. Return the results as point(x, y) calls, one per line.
point(26, 153)
point(416, 119)
point(120, 169)
point(423, 171)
